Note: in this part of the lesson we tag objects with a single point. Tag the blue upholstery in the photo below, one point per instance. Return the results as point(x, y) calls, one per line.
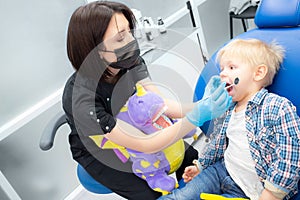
point(278, 13)
point(276, 20)
point(90, 183)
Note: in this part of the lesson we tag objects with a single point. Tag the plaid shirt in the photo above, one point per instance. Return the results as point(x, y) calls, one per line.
point(273, 131)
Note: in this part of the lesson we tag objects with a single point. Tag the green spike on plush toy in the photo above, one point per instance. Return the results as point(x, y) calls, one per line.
point(140, 90)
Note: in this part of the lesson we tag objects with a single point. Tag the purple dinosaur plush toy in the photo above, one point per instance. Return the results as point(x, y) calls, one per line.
point(145, 111)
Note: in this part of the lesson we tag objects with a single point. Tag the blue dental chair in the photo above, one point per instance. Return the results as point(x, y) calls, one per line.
point(276, 20)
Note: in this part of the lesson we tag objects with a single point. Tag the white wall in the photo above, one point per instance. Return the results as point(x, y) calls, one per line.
point(34, 65)
point(35, 174)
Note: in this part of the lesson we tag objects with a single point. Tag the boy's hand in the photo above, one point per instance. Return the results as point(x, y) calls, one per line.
point(189, 173)
point(266, 194)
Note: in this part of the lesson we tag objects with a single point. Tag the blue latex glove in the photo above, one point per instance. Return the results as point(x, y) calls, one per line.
point(213, 83)
point(212, 107)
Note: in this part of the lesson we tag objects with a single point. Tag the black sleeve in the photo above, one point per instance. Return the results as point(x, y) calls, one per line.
point(87, 116)
point(82, 115)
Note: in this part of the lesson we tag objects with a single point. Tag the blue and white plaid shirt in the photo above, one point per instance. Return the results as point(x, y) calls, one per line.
point(273, 131)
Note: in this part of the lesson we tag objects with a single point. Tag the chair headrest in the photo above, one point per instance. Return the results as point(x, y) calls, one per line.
point(278, 13)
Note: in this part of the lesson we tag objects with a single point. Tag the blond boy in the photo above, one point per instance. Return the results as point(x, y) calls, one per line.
point(255, 148)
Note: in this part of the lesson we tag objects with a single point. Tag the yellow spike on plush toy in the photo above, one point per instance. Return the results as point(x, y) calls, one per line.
point(109, 145)
point(124, 109)
point(140, 90)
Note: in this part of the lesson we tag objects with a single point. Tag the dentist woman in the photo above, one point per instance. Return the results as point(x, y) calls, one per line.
point(105, 55)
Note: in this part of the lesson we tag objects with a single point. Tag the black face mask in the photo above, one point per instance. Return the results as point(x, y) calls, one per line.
point(127, 56)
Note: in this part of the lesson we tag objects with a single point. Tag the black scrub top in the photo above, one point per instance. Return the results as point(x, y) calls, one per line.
point(91, 105)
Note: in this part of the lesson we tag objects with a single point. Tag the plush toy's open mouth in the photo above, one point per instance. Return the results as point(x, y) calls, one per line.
point(160, 120)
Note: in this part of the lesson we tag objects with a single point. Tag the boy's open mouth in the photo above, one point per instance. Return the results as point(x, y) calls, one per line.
point(230, 87)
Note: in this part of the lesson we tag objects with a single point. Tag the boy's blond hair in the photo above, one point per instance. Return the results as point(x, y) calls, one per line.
point(255, 52)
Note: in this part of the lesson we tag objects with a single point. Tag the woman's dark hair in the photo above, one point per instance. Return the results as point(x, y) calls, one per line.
point(88, 25)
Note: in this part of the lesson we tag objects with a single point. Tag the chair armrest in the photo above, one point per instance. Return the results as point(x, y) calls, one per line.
point(48, 135)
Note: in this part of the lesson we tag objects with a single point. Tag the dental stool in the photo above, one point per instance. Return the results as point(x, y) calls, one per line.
point(46, 143)
point(276, 20)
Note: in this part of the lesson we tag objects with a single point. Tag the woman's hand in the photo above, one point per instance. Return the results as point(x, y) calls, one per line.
point(213, 105)
point(213, 83)
point(189, 173)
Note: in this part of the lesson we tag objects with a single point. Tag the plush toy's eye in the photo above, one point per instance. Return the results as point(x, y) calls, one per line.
point(140, 101)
